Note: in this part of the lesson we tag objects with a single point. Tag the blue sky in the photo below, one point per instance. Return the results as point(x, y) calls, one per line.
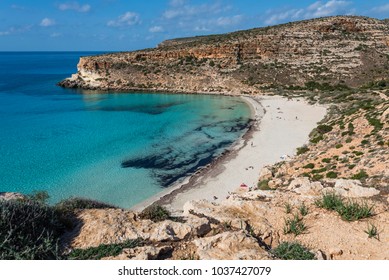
point(118, 25)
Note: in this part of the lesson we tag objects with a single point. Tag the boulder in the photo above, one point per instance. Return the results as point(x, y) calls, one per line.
point(265, 174)
point(168, 231)
point(353, 188)
point(304, 186)
point(11, 196)
point(230, 246)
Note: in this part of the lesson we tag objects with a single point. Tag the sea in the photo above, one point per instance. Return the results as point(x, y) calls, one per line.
point(118, 148)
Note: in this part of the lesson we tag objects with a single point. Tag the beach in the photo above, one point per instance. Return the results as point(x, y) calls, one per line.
point(279, 126)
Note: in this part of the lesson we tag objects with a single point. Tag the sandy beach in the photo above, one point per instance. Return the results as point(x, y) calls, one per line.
point(280, 126)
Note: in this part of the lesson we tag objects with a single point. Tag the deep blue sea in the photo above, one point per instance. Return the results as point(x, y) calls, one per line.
point(114, 147)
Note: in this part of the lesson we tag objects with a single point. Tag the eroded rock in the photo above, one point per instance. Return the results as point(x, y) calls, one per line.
point(230, 246)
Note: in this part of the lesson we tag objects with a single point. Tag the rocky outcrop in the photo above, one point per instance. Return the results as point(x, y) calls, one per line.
point(11, 196)
point(338, 50)
point(230, 246)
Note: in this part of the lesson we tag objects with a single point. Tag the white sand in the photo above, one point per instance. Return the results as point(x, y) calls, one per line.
point(276, 134)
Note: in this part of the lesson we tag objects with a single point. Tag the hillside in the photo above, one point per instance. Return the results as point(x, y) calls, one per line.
point(343, 51)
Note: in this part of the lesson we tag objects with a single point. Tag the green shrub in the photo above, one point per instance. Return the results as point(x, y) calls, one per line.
point(316, 139)
point(309, 165)
point(317, 177)
point(292, 251)
point(376, 124)
point(352, 211)
point(323, 128)
point(39, 196)
point(326, 160)
point(332, 175)
point(372, 231)
point(329, 201)
point(302, 150)
point(321, 170)
point(360, 175)
point(349, 139)
point(29, 230)
point(349, 210)
point(264, 185)
point(338, 146)
point(364, 142)
point(103, 250)
point(294, 225)
point(77, 203)
point(303, 209)
point(156, 213)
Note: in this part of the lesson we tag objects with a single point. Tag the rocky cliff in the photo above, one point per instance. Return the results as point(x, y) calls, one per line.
point(342, 51)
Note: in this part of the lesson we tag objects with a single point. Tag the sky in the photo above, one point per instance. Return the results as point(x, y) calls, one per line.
point(121, 25)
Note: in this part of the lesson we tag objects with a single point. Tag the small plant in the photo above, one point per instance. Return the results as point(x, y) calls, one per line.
point(309, 165)
point(329, 201)
point(302, 150)
point(352, 211)
point(303, 209)
point(156, 213)
point(39, 196)
point(349, 139)
point(322, 129)
point(372, 231)
point(360, 175)
point(332, 175)
point(103, 250)
point(317, 177)
point(338, 146)
point(294, 225)
point(288, 208)
point(326, 160)
point(292, 251)
point(264, 185)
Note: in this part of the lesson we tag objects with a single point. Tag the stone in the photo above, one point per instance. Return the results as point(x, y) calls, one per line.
point(230, 246)
point(319, 255)
point(353, 188)
point(335, 252)
point(200, 226)
point(169, 231)
point(11, 196)
point(265, 174)
point(304, 186)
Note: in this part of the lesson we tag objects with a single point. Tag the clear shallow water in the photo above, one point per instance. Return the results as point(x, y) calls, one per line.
point(117, 148)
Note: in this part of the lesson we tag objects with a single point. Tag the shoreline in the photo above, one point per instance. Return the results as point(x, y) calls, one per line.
point(283, 119)
point(188, 182)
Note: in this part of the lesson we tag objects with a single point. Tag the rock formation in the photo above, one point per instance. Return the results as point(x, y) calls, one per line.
point(342, 51)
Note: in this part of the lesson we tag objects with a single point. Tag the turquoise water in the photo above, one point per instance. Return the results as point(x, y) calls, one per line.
point(117, 148)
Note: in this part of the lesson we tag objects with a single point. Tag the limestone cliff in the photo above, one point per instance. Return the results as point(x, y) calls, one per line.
point(341, 50)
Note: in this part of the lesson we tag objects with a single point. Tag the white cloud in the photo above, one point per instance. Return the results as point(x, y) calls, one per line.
point(46, 22)
point(127, 19)
point(180, 9)
point(156, 29)
point(317, 9)
point(75, 6)
point(16, 29)
point(381, 9)
point(226, 21)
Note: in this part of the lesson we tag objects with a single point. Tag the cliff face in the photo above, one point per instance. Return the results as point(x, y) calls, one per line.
point(336, 50)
